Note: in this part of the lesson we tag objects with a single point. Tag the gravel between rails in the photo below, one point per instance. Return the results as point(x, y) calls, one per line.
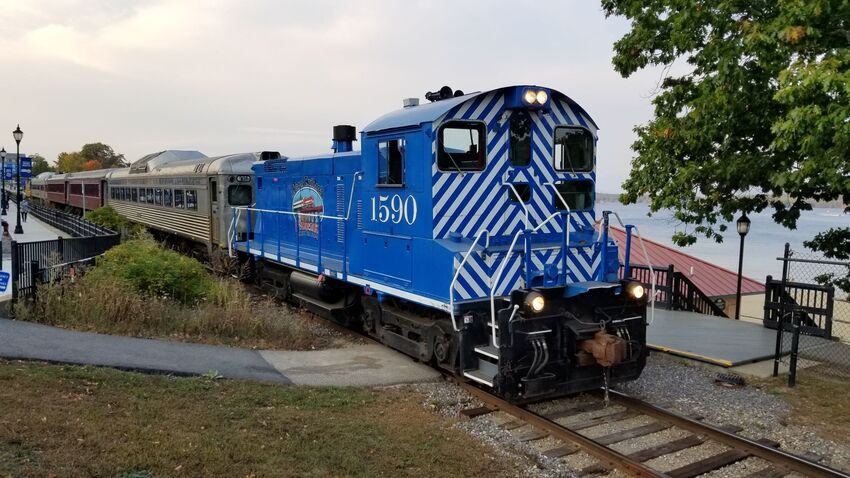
point(667, 382)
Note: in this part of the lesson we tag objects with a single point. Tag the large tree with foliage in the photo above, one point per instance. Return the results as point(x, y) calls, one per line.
point(91, 156)
point(40, 164)
point(758, 118)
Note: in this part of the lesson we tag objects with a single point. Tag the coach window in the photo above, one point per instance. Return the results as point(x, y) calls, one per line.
point(239, 195)
point(191, 202)
point(573, 149)
point(520, 138)
point(178, 198)
point(577, 194)
point(135, 194)
point(214, 191)
point(391, 163)
point(158, 196)
point(149, 195)
point(166, 197)
point(462, 146)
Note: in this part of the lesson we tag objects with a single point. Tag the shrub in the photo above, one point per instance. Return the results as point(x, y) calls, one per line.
point(232, 315)
point(111, 219)
point(153, 270)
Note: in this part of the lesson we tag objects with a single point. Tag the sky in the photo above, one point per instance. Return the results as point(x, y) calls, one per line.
point(226, 76)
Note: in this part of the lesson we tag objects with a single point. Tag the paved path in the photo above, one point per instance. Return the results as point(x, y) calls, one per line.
point(365, 365)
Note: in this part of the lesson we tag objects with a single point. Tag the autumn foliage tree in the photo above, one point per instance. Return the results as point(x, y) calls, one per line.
point(91, 156)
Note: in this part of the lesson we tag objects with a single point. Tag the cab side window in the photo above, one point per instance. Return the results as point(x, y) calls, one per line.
point(462, 146)
point(573, 150)
point(391, 163)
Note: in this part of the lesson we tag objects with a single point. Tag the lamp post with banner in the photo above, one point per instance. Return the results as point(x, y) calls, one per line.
point(3, 197)
point(18, 135)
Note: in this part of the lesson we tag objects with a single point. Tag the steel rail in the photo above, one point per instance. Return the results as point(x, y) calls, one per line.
point(775, 456)
point(607, 456)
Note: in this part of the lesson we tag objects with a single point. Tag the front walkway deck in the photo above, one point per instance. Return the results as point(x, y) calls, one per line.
point(716, 340)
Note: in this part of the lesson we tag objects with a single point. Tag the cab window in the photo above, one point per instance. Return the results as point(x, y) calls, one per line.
point(391, 163)
point(573, 149)
point(462, 146)
point(239, 195)
point(520, 138)
point(577, 194)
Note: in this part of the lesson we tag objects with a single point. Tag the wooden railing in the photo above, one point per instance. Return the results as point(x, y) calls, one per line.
point(675, 291)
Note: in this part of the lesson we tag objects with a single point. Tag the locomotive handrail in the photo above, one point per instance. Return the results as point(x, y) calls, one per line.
point(519, 200)
point(569, 212)
point(502, 271)
point(457, 273)
point(648, 263)
point(358, 175)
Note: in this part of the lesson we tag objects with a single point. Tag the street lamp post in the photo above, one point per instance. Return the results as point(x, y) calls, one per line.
point(3, 181)
point(743, 229)
point(18, 135)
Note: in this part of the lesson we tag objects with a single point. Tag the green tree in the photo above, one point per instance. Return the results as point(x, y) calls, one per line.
point(40, 164)
point(758, 118)
point(103, 155)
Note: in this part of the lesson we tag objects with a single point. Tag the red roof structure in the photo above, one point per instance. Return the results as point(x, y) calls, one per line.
point(713, 280)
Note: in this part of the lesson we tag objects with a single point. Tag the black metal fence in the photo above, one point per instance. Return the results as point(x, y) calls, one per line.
point(46, 261)
point(674, 290)
point(810, 314)
point(68, 223)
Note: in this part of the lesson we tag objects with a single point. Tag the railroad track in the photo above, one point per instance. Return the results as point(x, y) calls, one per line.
point(539, 426)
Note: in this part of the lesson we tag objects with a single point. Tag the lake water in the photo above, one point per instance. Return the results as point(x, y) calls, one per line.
point(763, 244)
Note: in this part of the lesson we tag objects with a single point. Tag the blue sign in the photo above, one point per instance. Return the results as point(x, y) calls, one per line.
point(26, 167)
point(4, 281)
point(8, 173)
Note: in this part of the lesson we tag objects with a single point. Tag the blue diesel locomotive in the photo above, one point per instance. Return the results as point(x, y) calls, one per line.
point(463, 233)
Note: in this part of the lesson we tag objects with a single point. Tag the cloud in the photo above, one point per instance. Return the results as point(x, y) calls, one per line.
point(227, 75)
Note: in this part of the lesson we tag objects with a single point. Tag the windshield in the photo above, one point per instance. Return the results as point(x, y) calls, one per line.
point(239, 195)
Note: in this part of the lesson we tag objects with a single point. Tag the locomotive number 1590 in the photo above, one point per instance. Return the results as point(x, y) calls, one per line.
point(393, 208)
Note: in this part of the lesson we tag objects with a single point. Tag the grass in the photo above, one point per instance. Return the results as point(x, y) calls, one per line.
point(818, 401)
point(128, 293)
point(77, 421)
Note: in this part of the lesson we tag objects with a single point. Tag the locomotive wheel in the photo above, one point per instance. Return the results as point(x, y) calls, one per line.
point(442, 348)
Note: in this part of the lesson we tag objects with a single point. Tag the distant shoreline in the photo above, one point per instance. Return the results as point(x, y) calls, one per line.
point(609, 197)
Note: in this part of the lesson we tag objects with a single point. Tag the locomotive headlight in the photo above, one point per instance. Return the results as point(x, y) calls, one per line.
point(635, 290)
point(535, 302)
point(542, 97)
point(530, 97)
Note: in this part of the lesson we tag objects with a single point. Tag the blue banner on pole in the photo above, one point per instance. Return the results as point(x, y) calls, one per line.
point(26, 167)
point(4, 281)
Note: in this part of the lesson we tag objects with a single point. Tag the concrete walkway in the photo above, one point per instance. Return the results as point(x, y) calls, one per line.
point(362, 365)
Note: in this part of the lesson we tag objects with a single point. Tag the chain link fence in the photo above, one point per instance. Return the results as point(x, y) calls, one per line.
point(810, 308)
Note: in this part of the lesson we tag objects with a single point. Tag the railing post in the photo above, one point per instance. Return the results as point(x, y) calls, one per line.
point(778, 346)
point(627, 258)
point(34, 273)
point(319, 239)
point(795, 345)
point(670, 284)
point(603, 259)
point(14, 272)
